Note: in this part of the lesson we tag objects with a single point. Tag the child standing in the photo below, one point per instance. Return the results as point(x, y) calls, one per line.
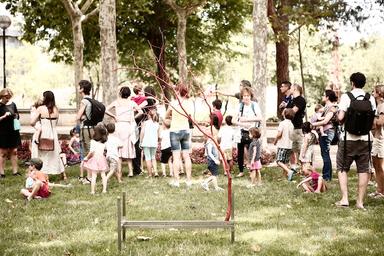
point(165, 147)
point(254, 156)
point(113, 145)
point(226, 137)
point(313, 181)
point(95, 161)
point(213, 165)
point(149, 140)
point(284, 142)
point(74, 147)
point(310, 137)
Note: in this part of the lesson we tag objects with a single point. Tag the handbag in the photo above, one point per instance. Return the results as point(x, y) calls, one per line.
point(16, 124)
point(46, 144)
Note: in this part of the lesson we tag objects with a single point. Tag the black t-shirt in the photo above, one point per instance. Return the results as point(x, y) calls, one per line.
point(300, 103)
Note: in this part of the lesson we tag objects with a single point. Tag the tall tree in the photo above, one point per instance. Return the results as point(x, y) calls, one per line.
point(260, 40)
point(78, 15)
point(182, 12)
point(108, 61)
point(299, 13)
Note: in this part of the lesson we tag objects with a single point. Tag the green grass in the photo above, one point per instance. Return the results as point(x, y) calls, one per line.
point(274, 219)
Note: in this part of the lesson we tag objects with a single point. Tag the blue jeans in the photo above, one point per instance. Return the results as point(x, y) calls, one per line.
point(325, 143)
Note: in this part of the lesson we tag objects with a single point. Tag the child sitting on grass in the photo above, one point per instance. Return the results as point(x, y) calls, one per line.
point(37, 184)
point(284, 142)
point(313, 181)
point(254, 157)
point(213, 165)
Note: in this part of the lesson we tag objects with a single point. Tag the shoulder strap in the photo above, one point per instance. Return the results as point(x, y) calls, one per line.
point(350, 95)
point(241, 108)
point(253, 107)
point(85, 110)
point(367, 96)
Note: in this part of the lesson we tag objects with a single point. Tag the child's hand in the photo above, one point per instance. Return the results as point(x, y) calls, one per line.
point(217, 162)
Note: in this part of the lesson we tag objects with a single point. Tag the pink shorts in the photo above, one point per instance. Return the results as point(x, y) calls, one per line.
point(256, 165)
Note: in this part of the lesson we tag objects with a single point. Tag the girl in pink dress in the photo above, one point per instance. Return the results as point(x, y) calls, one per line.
point(95, 161)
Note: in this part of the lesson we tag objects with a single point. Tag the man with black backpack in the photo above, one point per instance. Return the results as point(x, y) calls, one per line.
point(356, 112)
point(89, 114)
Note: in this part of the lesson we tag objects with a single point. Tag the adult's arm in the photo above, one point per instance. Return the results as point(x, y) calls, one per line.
point(35, 116)
point(80, 113)
point(138, 109)
point(109, 109)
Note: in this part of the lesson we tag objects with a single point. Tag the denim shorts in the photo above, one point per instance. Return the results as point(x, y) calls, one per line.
point(213, 168)
point(149, 153)
point(180, 140)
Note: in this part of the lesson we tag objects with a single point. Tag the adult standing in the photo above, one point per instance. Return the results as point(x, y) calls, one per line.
point(285, 89)
point(85, 131)
point(355, 148)
point(330, 110)
point(48, 115)
point(249, 116)
point(298, 104)
point(378, 142)
point(9, 133)
point(180, 134)
point(124, 115)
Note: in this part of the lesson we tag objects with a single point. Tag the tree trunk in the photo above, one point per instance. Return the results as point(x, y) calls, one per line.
point(260, 33)
point(78, 46)
point(108, 61)
point(181, 46)
point(158, 48)
point(282, 72)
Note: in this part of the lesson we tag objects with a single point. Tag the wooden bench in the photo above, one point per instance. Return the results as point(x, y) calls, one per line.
point(123, 224)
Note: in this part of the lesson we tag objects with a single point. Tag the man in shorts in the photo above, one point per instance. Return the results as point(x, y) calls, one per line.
point(356, 148)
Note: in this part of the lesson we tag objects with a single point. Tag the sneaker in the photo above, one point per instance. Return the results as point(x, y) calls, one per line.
point(80, 179)
point(174, 184)
point(290, 175)
point(188, 183)
point(251, 185)
point(205, 186)
point(240, 175)
point(294, 170)
point(219, 189)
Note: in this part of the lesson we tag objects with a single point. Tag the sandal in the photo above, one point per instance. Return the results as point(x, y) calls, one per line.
point(374, 194)
point(340, 205)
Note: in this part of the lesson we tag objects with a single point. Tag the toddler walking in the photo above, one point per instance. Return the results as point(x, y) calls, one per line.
point(149, 140)
point(95, 162)
point(165, 147)
point(254, 156)
point(113, 145)
point(213, 165)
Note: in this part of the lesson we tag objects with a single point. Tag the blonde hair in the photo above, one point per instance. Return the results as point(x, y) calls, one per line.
point(5, 92)
point(379, 89)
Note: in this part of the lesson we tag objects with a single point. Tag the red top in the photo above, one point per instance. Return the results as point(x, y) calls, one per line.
point(138, 99)
point(219, 117)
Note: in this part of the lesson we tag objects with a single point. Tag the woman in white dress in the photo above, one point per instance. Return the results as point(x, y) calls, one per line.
point(48, 115)
point(124, 116)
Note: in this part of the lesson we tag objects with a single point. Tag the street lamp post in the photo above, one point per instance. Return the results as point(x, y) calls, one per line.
point(5, 22)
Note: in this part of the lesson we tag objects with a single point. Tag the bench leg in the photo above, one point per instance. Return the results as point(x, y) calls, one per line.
point(119, 224)
point(124, 212)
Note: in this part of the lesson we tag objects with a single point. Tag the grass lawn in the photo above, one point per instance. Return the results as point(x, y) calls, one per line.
point(274, 219)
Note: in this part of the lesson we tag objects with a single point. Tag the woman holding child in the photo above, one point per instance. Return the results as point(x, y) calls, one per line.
point(329, 114)
point(48, 115)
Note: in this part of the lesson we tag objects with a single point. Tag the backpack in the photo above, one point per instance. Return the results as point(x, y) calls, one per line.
point(97, 113)
point(359, 116)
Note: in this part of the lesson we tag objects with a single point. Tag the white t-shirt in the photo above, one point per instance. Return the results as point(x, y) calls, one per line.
point(344, 103)
point(165, 139)
point(226, 134)
point(286, 127)
point(97, 148)
point(249, 112)
point(112, 145)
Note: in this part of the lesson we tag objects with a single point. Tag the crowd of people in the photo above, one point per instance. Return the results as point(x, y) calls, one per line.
point(135, 131)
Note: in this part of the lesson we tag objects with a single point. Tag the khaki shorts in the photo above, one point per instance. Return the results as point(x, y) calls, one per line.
point(228, 154)
point(357, 151)
point(297, 140)
point(378, 148)
point(86, 135)
point(113, 164)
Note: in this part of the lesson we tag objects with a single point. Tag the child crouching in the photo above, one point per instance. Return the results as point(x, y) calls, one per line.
point(313, 181)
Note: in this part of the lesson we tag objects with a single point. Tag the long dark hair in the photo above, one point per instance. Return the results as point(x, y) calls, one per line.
point(49, 101)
